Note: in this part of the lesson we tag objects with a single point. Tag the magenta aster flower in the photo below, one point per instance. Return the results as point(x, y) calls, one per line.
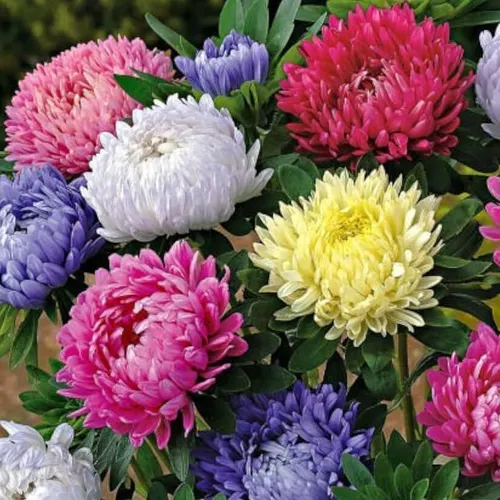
point(488, 232)
point(378, 82)
point(144, 338)
point(463, 418)
point(61, 107)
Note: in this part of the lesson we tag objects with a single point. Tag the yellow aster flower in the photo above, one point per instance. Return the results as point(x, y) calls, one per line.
point(355, 254)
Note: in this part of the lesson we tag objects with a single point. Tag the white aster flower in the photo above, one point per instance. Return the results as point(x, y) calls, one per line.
point(181, 166)
point(488, 81)
point(31, 469)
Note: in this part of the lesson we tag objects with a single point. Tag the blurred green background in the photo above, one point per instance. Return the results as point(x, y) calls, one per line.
point(32, 31)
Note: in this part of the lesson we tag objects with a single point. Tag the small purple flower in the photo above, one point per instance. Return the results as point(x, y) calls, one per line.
point(217, 71)
point(47, 231)
point(287, 446)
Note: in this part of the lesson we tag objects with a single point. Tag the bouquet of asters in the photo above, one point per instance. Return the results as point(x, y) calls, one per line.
point(268, 261)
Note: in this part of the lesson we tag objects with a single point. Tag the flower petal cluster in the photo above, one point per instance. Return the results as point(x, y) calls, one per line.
point(355, 254)
point(488, 80)
point(181, 166)
point(378, 82)
point(34, 470)
point(47, 231)
point(145, 337)
point(218, 70)
point(288, 446)
point(463, 418)
point(61, 108)
point(493, 209)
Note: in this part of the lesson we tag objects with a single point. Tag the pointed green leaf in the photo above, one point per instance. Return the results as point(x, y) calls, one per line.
point(398, 450)
point(262, 311)
point(459, 216)
point(295, 182)
point(25, 338)
point(377, 351)
point(335, 372)
point(419, 489)
point(136, 88)
point(233, 380)
point(216, 413)
point(178, 454)
point(307, 327)
point(470, 305)
point(260, 345)
point(176, 41)
point(447, 340)
point(356, 472)
point(312, 353)
point(489, 491)
point(282, 27)
point(384, 475)
point(422, 464)
point(253, 279)
point(257, 20)
point(382, 384)
point(267, 379)
point(231, 17)
point(309, 13)
point(444, 481)
point(403, 481)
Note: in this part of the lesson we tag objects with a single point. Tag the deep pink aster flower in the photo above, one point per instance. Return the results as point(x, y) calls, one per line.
point(61, 107)
point(378, 82)
point(144, 338)
point(463, 418)
point(493, 233)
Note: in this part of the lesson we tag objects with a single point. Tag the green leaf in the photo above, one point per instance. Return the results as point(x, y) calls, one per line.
point(216, 413)
point(267, 379)
point(382, 384)
point(253, 279)
point(398, 450)
point(489, 491)
point(468, 270)
point(449, 262)
point(417, 175)
point(466, 243)
point(212, 242)
point(307, 327)
point(373, 416)
point(335, 372)
point(312, 353)
point(118, 470)
point(219, 496)
point(104, 450)
point(447, 340)
point(470, 305)
point(441, 177)
point(309, 167)
point(384, 475)
point(231, 17)
point(257, 20)
point(377, 351)
point(178, 454)
point(403, 481)
point(260, 346)
point(262, 311)
point(183, 492)
point(50, 310)
point(374, 493)
point(176, 41)
point(8, 317)
point(309, 13)
point(444, 481)
point(292, 55)
point(25, 338)
point(148, 463)
point(436, 317)
point(343, 493)
point(356, 472)
point(295, 182)
point(238, 226)
point(459, 216)
point(476, 19)
point(282, 27)
point(157, 492)
point(136, 88)
point(354, 358)
point(421, 467)
point(233, 380)
point(419, 489)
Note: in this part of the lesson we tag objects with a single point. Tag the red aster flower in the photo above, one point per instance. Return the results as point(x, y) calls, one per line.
point(379, 82)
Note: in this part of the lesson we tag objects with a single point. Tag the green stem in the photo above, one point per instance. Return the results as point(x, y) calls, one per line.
point(404, 373)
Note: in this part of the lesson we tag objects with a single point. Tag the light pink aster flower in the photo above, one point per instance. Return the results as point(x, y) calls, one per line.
point(463, 418)
point(488, 232)
point(144, 338)
point(61, 107)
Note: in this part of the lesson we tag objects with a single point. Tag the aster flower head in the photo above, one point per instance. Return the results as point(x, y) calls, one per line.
point(181, 166)
point(378, 82)
point(145, 337)
point(34, 470)
point(493, 209)
point(61, 107)
point(488, 80)
point(355, 254)
point(288, 446)
point(47, 231)
point(463, 417)
point(218, 70)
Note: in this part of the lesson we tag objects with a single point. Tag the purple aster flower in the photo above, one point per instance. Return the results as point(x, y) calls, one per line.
point(217, 71)
point(47, 231)
point(287, 446)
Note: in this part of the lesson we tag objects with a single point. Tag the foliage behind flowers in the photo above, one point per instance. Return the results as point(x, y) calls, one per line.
point(193, 368)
